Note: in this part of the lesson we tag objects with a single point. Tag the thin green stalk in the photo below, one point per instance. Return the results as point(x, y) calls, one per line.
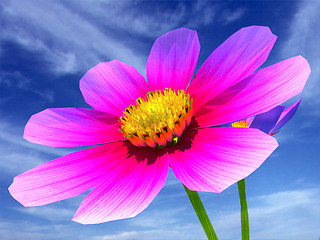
point(244, 210)
point(201, 213)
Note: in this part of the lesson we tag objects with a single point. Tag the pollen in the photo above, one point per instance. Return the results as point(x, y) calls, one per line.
point(158, 120)
point(242, 124)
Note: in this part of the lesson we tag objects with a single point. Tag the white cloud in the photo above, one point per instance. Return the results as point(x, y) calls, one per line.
point(16, 162)
point(53, 214)
point(9, 231)
point(287, 215)
point(232, 16)
point(16, 80)
point(304, 35)
point(68, 41)
point(182, 232)
point(12, 135)
point(29, 230)
point(19, 155)
point(74, 36)
point(159, 218)
point(292, 214)
point(13, 79)
point(148, 19)
point(120, 236)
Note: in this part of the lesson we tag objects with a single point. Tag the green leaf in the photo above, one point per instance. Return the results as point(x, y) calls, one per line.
point(244, 210)
point(201, 213)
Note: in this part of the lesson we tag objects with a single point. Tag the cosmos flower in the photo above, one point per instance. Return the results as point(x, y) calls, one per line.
point(142, 129)
point(269, 122)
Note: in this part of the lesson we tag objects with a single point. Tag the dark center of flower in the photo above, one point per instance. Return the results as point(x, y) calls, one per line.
point(158, 120)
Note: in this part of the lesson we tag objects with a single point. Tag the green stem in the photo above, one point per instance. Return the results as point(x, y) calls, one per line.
point(201, 213)
point(244, 210)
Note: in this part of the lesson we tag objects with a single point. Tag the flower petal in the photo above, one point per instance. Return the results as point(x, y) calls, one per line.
point(172, 59)
point(112, 86)
point(286, 115)
point(266, 121)
point(237, 58)
point(126, 194)
point(262, 91)
point(220, 157)
point(70, 127)
point(65, 177)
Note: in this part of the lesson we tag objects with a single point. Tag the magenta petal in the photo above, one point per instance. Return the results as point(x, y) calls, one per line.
point(237, 58)
point(172, 59)
point(112, 86)
point(220, 157)
point(69, 127)
point(125, 194)
point(64, 177)
point(286, 115)
point(262, 91)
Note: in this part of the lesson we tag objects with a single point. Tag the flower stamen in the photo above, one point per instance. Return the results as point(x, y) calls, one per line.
point(241, 123)
point(158, 120)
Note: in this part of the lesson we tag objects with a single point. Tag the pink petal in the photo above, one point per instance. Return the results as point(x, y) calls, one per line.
point(220, 157)
point(125, 194)
point(237, 58)
point(67, 176)
point(172, 59)
point(256, 94)
point(112, 86)
point(69, 127)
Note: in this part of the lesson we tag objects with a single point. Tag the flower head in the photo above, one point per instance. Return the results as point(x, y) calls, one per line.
point(145, 128)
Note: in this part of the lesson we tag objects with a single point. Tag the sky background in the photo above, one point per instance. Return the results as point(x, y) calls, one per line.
point(47, 46)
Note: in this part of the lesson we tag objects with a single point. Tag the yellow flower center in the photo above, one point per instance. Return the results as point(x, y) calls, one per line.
point(242, 123)
point(159, 120)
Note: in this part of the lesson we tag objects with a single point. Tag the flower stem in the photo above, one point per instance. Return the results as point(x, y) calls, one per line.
point(201, 213)
point(244, 210)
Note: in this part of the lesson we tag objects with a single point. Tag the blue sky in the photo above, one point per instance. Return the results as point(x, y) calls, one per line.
point(47, 46)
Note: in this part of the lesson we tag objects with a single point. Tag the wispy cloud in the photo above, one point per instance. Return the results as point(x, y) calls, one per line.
point(16, 80)
point(73, 36)
point(282, 215)
point(188, 231)
point(231, 16)
point(53, 214)
point(120, 236)
point(13, 79)
point(65, 39)
point(29, 231)
point(285, 215)
point(304, 35)
point(19, 155)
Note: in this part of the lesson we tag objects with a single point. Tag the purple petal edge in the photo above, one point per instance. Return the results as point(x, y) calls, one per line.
point(286, 115)
point(266, 121)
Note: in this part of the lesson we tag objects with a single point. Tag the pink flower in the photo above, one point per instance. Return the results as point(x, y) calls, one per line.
point(144, 128)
